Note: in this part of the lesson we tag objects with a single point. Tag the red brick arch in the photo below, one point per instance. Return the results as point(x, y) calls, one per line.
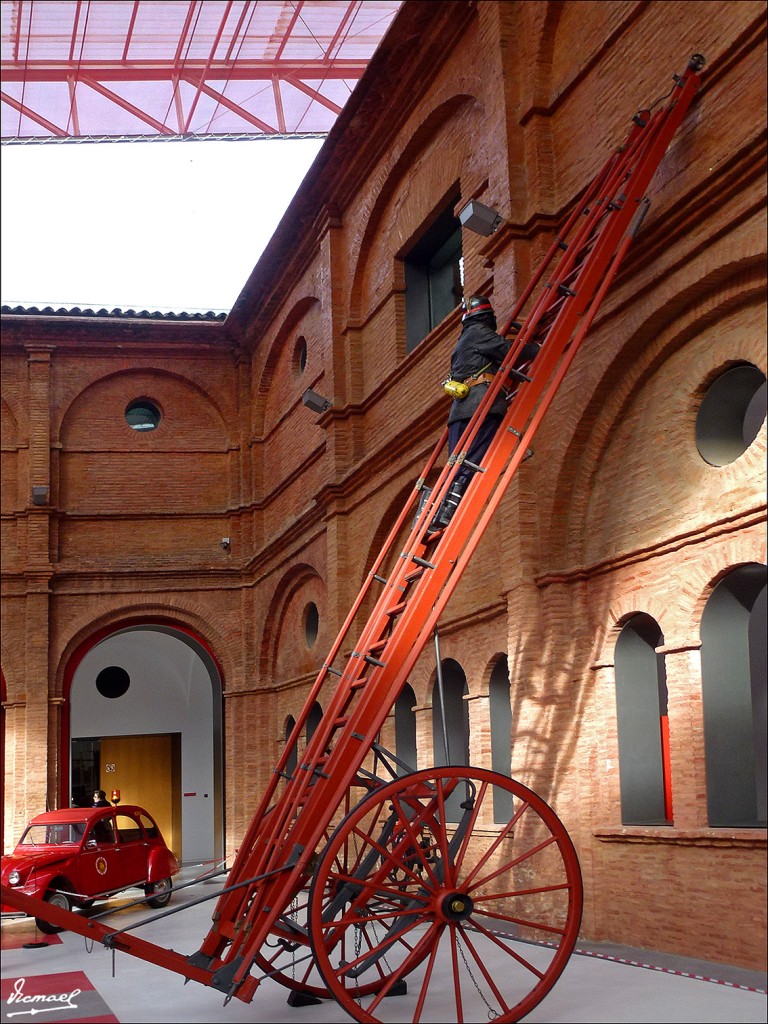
point(299, 579)
point(271, 364)
point(86, 640)
point(607, 396)
point(396, 177)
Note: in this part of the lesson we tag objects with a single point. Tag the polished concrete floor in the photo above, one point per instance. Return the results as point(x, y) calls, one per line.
point(86, 982)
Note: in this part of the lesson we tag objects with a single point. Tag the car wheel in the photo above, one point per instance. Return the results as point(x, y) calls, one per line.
point(159, 893)
point(56, 899)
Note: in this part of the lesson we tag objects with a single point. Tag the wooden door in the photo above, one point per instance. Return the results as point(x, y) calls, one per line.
point(146, 770)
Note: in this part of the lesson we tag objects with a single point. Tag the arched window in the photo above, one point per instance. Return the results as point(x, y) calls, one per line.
point(450, 724)
point(290, 725)
point(733, 677)
point(313, 719)
point(433, 275)
point(500, 708)
point(405, 730)
point(643, 725)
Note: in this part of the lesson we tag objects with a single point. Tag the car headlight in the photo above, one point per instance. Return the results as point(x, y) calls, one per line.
point(14, 878)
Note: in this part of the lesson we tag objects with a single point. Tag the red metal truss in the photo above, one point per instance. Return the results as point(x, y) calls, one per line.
point(182, 68)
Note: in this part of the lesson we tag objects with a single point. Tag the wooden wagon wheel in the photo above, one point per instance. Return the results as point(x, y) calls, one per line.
point(419, 877)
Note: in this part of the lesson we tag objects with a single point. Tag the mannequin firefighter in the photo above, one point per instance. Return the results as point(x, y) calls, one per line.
point(477, 356)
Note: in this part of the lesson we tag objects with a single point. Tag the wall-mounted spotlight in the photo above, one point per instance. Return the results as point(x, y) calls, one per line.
point(479, 218)
point(39, 495)
point(225, 543)
point(315, 402)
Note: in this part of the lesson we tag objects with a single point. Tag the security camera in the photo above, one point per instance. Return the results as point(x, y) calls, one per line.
point(479, 218)
point(317, 403)
point(225, 542)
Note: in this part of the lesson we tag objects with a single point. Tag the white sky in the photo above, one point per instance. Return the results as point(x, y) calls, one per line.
point(171, 226)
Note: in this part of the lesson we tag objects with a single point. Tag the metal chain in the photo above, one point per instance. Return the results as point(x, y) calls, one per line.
point(492, 1014)
point(358, 930)
point(294, 917)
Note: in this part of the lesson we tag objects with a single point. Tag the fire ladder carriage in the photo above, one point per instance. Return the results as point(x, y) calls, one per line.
point(359, 878)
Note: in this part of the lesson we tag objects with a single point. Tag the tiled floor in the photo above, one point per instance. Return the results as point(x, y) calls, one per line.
point(91, 983)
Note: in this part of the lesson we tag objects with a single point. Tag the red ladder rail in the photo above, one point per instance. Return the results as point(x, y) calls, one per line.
point(276, 857)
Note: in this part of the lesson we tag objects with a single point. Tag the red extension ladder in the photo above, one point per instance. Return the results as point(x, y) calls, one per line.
point(353, 870)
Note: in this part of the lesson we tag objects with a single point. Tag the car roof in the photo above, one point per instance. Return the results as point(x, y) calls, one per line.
point(68, 814)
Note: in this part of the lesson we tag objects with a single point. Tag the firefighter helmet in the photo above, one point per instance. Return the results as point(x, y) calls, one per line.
point(475, 305)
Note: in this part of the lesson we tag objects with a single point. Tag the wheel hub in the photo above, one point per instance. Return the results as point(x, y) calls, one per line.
point(456, 906)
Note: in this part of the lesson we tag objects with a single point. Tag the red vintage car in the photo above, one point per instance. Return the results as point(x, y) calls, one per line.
point(73, 857)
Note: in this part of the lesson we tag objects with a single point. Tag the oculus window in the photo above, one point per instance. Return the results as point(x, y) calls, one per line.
point(299, 361)
point(731, 414)
point(113, 682)
point(433, 270)
point(311, 623)
point(142, 415)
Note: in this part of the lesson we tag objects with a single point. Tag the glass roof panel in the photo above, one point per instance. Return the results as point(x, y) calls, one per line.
point(139, 68)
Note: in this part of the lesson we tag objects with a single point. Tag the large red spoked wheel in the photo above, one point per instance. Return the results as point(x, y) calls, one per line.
point(420, 889)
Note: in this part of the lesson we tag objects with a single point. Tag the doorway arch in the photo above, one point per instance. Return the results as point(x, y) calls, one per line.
point(130, 686)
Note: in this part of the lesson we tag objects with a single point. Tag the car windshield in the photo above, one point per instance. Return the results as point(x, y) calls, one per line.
point(60, 834)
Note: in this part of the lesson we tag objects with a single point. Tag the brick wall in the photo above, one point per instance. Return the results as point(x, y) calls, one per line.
point(616, 512)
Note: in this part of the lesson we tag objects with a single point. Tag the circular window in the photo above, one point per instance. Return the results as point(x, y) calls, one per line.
point(142, 415)
point(113, 682)
point(311, 623)
point(731, 414)
point(300, 355)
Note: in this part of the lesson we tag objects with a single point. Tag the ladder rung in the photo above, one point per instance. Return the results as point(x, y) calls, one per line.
point(548, 318)
point(586, 249)
point(374, 661)
point(551, 312)
point(518, 375)
point(397, 608)
point(332, 670)
point(423, 563)
point(433, 533)
point(571, 275)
